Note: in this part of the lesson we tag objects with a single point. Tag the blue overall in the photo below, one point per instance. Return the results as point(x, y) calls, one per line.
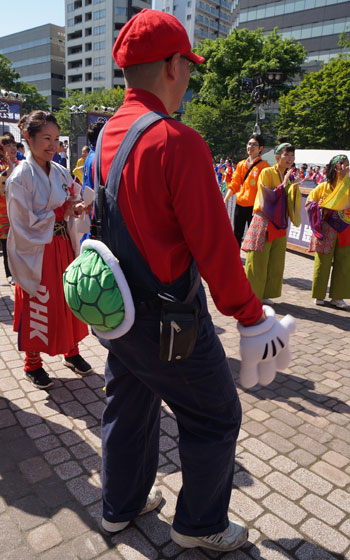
point(199, 391)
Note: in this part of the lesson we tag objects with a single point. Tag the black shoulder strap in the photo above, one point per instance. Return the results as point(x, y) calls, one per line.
point(250, 168)
point(119, 160)
point(117, 165)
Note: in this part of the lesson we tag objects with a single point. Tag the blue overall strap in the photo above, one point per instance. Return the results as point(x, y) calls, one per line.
point(109, 217)
point(117, 165)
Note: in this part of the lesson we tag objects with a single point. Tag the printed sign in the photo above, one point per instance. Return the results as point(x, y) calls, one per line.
point(300, 235)
point(10, 111)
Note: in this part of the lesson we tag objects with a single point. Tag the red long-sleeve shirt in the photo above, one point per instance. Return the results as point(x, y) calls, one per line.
point(173, 208)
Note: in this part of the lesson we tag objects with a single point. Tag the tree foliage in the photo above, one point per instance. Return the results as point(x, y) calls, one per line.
point(9, 80)
point(316, 114)
point(220, 110)
point(107, 98)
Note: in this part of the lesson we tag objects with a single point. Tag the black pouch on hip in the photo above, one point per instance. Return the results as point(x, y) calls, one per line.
point(178, 330)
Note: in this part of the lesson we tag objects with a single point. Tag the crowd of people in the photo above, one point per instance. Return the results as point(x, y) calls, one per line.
point(225, 168)
point(166, 235)
point(265, 215)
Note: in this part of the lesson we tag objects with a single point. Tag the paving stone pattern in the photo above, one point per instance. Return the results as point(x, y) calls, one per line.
point(292, 481)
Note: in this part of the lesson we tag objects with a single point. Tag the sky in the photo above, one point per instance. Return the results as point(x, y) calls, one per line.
point(24, 14)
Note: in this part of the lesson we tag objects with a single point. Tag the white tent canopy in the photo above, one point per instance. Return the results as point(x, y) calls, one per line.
point(317, 157)
point(310, 157)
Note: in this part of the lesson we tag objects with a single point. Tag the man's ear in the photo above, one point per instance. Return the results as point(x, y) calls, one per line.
point(171, 66)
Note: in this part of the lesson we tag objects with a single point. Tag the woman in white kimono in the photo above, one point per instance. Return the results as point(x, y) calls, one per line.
point(40, 205)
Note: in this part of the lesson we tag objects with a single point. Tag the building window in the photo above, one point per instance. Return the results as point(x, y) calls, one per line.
point(88, 31)
point(88, 16)
point(99, 30)
point(99, 45)
point(188, 17)
point(75, 78)
point(99, 76)
point(118, 74)
point(99, 61)
point(98, 1)
point(100, 14)
point(70, 7)
point(76, 35)
point(189, 3)
point(70, 22)
point(88, 76)
point(76, 49)
point(75, 64)
point(120, 11)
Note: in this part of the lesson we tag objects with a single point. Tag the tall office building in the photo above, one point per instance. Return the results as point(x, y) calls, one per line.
point(203, 19)
point(37, 55)
point(317, 24)
point(92, 27)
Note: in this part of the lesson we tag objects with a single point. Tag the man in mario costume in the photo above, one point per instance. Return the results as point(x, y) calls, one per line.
point(165, 235)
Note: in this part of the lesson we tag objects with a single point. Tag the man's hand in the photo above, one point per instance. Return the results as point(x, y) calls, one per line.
point(264, 348)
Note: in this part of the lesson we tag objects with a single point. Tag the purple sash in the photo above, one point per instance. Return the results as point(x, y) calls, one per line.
point(314, 214)
point(335, 221)
point(273, 204)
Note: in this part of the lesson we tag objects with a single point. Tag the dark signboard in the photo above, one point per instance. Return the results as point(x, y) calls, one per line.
point(10, 111)
point(101, 117)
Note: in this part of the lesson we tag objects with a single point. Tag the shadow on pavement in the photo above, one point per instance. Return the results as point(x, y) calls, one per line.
point(287, 386)
point(299, 283)
point(295, 548)
point(338, 318)
point(9, 305)
point(30, 486)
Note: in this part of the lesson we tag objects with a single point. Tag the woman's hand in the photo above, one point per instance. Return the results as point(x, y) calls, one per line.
point(74, 208)
point(88, 209)
point(286, 177)
point(296, 180)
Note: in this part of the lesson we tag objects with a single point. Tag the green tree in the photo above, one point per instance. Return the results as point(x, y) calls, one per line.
point(9, 80)
point(220, 110)
point(316, 114)
point(107, 98)
point(8, 76)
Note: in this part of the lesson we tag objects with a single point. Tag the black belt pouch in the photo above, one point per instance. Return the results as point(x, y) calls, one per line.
point(178, 330)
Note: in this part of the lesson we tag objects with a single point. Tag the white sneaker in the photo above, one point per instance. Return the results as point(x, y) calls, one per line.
point(319, 301)
point(153, 500)
point(233, 537)
point(339, 303)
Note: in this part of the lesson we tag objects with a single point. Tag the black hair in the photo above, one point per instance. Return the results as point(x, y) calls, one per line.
point(6, 140)
point(9, 135)
point(258, 138)
point(94, 130)
point(19, 145)
point(331, 172)
point(35, 121)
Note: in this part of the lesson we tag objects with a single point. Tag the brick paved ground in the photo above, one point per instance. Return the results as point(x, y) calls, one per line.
point(292, 483)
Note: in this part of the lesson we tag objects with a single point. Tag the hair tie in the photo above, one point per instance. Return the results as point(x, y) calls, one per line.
point(281, 146)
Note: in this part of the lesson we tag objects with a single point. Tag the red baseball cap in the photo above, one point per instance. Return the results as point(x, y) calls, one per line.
point(149, 36)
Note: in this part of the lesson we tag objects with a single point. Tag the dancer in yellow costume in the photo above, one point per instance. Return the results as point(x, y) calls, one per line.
point(333, 241)
point(266, 241)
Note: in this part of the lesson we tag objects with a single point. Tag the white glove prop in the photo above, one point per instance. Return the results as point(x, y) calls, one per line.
point(264, 348)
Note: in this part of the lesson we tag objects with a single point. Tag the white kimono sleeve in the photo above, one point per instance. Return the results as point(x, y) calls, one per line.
point(29, 232)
